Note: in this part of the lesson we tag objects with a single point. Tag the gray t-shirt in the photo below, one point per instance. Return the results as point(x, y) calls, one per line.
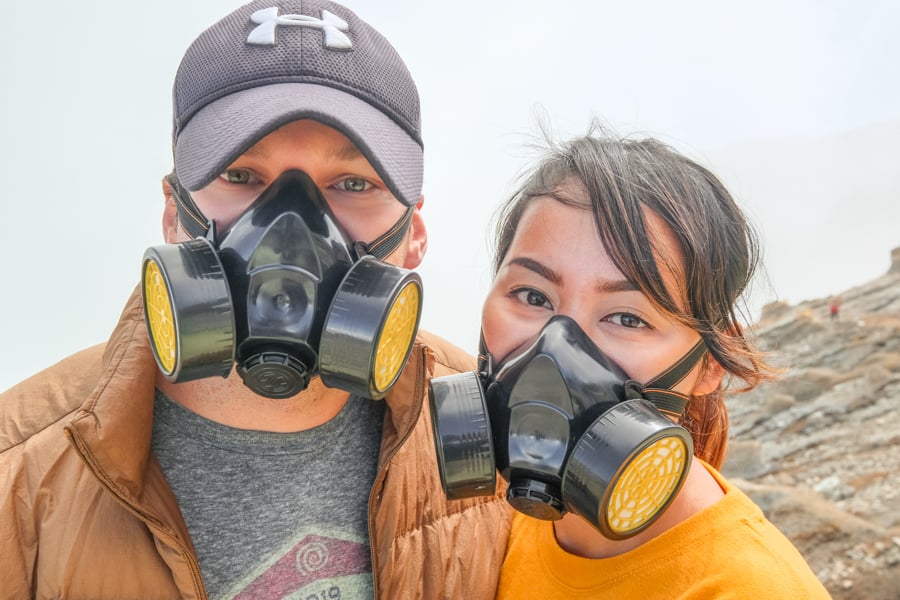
point(275, 515)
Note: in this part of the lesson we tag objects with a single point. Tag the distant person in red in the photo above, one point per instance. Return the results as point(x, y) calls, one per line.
point(835, 308)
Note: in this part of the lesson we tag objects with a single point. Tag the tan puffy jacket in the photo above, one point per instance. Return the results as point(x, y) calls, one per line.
point(85, 511)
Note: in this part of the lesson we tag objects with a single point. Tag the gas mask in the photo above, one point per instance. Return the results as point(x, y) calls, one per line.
point(568, 430)
point(284, 294)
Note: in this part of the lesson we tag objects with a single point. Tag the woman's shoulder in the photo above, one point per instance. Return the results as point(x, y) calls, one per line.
point(740, 553)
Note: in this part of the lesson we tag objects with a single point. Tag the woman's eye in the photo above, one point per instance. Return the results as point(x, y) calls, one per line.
point(353, 184)
point(239, 176)
point(627, 320)
point(532, 298)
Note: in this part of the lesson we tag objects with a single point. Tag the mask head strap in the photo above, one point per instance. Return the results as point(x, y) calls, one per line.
point(485, 360)
point(388, 241)
point(189, 216)
point(659, 390)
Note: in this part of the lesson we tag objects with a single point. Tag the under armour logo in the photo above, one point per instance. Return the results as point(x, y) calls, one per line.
point(332, 26)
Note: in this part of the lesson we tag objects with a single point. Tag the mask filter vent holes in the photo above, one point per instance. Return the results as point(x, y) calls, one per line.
point(396, 336)
point(646, 484)
point(160, 321)
point(627, 468)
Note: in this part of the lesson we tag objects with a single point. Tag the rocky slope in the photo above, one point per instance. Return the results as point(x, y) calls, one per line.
point(819, 448)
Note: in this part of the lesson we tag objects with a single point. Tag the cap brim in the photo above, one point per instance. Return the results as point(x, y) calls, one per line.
point(223, 130)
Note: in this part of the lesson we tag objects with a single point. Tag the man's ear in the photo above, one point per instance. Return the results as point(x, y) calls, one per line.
point(170, 213)
point(417, 241)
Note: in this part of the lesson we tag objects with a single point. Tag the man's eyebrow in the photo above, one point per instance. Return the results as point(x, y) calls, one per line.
point(607, 285)
point(347, 151)
point(256, 151)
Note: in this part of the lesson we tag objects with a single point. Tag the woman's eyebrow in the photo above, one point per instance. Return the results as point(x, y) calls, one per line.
point(604, 286)
point(537, 267)
point(616, 285)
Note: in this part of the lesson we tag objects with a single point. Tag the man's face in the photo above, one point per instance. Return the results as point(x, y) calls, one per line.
point(356, 194)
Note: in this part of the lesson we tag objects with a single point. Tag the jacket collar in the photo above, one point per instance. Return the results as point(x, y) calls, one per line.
point(112, 429)
point(405, 400)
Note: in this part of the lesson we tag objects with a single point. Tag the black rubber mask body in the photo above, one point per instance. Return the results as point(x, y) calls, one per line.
point(284, 260)
point(542, 401)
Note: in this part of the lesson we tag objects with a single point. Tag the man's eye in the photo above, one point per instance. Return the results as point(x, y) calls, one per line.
point(354, 184)
point(627, 320)
point(240, 176)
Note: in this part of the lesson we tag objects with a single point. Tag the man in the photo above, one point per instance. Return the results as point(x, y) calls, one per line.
point(133, 470)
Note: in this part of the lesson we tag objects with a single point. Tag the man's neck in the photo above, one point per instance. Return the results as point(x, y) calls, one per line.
point(229, 402)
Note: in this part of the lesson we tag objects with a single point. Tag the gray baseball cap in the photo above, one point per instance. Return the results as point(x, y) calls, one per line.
point(275, 61)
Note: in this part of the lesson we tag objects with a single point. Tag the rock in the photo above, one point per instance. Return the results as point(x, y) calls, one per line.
point(744, 460)
point(895, 261)
point(818, 449)
point(774, 310)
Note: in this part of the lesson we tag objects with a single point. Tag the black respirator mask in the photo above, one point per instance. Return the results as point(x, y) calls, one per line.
point(568, 430)
point(284, 294)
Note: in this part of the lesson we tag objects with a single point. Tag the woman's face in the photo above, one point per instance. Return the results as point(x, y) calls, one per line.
point(557, 264)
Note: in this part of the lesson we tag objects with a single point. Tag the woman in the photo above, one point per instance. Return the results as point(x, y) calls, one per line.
point(646, 253)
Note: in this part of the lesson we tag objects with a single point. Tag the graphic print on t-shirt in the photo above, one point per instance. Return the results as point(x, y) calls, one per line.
point(316, 566)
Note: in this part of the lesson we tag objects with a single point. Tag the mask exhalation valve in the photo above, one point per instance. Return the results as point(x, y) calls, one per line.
point(274, 374)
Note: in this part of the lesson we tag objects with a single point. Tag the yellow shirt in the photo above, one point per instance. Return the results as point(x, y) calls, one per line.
point(728, 550)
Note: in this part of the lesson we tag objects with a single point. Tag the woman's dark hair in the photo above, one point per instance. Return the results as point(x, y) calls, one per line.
point(624, 176)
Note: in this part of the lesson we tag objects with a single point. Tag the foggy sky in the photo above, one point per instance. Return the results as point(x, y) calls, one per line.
point(86, 104)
